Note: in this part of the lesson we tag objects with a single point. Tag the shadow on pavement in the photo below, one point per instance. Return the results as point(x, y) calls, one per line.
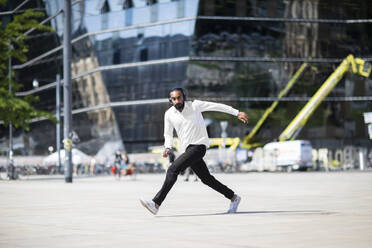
point(252, 212)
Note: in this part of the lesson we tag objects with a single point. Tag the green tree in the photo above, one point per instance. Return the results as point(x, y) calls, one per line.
point(17, 110)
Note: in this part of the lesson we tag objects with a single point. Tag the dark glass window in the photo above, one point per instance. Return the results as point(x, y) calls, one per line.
point(105, 7)
point(117, 56)
point(143, 54)
point(151, 2)
point(128, 4)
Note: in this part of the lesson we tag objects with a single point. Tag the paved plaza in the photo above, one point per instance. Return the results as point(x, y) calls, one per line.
point(311, 209)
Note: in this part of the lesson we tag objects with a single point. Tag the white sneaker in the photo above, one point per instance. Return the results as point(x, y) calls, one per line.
point(149, 205)
point(234, 205)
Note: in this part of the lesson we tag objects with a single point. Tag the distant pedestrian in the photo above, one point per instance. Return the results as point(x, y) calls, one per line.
point(124, 167)
point(115, 169)
point(92, 166)
point(186, 117)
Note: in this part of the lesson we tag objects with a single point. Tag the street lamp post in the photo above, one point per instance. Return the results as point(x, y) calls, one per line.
point(67, 92)
point(58, 117)
point(11, 169)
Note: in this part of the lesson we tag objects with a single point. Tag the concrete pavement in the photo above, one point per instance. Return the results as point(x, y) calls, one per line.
point(277, 210)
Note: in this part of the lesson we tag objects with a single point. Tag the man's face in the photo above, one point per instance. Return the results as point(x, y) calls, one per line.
point(177, 99)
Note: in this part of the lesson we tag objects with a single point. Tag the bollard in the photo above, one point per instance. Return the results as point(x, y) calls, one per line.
point(362, 158)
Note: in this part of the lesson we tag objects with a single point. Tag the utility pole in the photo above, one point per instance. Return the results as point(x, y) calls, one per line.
point(67, 92)
point(58, 117)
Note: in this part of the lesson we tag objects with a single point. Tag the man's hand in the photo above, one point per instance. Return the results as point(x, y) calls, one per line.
point(166, 152)
point(243, 117)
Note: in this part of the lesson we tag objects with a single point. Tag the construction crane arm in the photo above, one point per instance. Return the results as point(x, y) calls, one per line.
point(354, 65)
point(247, 140)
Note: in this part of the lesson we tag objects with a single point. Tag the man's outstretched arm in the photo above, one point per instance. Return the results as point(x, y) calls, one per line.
point(219, 107)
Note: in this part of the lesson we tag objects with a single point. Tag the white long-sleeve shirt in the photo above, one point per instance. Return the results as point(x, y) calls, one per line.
point(189, 123)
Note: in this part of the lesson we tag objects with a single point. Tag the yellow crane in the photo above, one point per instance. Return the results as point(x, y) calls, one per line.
point(248, 139)
point(349, 64)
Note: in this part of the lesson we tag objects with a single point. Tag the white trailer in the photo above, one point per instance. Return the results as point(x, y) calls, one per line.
point(291, 155)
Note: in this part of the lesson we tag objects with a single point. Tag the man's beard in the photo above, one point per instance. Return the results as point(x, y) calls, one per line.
point(179, 106)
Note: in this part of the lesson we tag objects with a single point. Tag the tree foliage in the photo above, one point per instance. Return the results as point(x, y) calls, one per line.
point(17, 110)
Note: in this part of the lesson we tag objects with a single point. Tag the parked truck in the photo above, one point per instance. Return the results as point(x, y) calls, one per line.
point(291, 155)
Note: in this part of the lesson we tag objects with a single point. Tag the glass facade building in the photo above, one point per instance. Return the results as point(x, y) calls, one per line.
point(128, 54)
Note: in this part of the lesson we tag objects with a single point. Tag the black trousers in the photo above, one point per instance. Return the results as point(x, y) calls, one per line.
point(193, 156)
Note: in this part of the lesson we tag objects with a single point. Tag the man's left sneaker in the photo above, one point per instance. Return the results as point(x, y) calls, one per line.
point(234, 205)
point(149, 205)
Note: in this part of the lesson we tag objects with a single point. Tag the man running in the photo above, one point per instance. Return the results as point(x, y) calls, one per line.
point(186, 117)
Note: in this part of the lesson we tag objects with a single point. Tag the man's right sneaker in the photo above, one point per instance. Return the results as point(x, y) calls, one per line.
point(149, 205)
point(234, 205)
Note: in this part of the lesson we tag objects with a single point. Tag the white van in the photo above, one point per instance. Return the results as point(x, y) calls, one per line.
point(291, 155)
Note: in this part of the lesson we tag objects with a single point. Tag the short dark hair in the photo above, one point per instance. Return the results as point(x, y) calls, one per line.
point(181, 90)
